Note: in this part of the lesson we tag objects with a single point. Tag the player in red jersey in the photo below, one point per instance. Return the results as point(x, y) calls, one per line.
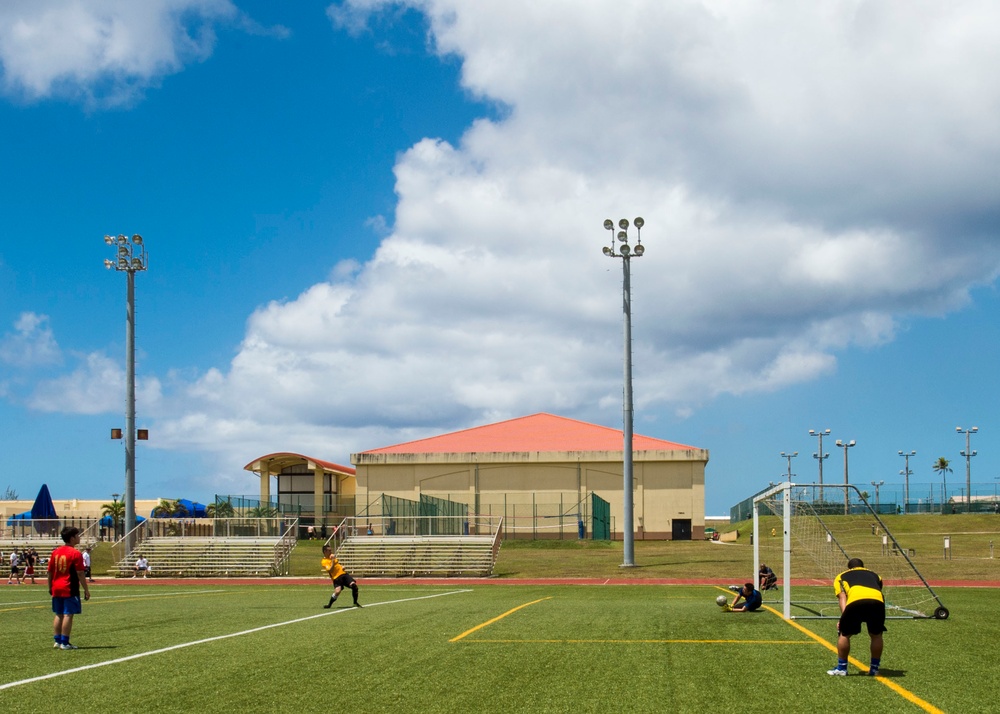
point(65, 577)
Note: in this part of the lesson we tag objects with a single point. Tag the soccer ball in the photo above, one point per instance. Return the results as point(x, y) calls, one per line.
point(721, 601)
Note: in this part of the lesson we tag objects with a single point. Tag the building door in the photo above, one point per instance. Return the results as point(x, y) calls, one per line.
point(682, 529)
point(600, 512)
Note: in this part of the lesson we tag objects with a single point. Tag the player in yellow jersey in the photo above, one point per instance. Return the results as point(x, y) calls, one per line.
point(340, 577)
point(859, 592)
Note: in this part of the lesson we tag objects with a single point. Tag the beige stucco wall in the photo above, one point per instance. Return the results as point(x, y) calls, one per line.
point(74, 508)
point(668, 484)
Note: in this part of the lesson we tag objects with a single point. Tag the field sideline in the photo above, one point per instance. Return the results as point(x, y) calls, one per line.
point(456, 647)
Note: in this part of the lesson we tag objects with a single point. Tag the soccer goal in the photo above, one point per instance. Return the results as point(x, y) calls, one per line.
point(806, 533)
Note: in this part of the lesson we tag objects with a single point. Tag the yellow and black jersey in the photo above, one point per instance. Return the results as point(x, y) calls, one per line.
point(332, 567)
point(858, 584)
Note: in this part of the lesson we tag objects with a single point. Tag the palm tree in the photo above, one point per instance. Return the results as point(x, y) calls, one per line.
point(116, 511)
point(167, 508)
point(220, 509)
point(262, 511)
point(942, 466)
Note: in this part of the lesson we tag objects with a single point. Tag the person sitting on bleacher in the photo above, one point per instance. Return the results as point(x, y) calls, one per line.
point(767, 580)
point(141, 566)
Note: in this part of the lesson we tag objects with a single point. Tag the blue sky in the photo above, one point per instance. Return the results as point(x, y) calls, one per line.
point(369, 222)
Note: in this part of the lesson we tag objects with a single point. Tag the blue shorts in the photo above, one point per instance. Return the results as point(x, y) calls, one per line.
point(67, 605)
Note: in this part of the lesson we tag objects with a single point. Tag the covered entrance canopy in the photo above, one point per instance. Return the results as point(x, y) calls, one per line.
point(314, 485)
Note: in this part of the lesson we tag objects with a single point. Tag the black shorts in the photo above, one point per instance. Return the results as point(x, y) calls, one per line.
point(344, 581)
point(870, 612)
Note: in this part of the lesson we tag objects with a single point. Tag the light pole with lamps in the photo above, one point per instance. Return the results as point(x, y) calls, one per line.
point(845, 445)
point(130, 258)
point(906, 473)
point(114, 516)
point(968, 454)
point(877, 485)
point(820, 456)
point(624, 251)
point(789, 457)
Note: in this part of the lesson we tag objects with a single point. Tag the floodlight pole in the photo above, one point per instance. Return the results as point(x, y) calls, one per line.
point(130, 259)
point(820, 456)
point(968, 454)
point(877, 485)
point(789, 456)
point(625, 252)
point(906, 473)
point(845, 445)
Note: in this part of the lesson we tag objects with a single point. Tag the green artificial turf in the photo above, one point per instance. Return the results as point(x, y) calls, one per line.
point(486, 648)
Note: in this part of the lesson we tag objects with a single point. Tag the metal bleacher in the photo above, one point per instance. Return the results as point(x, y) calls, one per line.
point(417, 547)
point(216, 548)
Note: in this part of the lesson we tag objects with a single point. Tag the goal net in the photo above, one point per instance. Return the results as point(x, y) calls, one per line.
point(806, 533)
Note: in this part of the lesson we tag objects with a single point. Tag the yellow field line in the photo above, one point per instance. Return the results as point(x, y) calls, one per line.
point(496, 619)
point(651, 642)
point(904, 693)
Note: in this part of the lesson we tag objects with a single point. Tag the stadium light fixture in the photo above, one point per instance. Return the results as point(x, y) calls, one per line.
point(968, 454)
point(845, 445)
point(789, 456)
point(877, 485)
point(626, 253)
point(131, 259)
point(820, 456)
point(906, 473)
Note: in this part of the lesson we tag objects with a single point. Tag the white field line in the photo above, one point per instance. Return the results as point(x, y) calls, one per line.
point(183, 645)
point(46, 600)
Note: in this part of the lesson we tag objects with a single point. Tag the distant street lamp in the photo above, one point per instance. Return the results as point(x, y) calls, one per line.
point(789, 457)
point(877, 485)
point(906, 473)
point(968, 454)
point(820, 456)
point(130, 258)
point(626, 252)
point(114, 517)
point(847, 499)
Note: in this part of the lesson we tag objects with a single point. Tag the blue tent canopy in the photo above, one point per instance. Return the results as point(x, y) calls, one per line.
point(26, 516)
point(189, 509)
point(41, 510)
point(195, 510)
point(107, 521)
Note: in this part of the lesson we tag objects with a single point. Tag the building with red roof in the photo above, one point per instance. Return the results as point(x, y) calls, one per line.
point(538, 468)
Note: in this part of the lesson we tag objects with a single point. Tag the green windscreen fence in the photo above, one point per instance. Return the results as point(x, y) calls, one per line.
point(428, 516)
point(600, 512)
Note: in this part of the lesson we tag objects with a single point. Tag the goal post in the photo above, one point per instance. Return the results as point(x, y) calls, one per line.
point(822, 527)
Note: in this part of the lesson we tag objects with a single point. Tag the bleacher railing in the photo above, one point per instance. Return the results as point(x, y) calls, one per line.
point(27, 530)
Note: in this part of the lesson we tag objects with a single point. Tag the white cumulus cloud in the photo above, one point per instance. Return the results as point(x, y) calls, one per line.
point(811, 175)
point(105, 52)
point(31, 344)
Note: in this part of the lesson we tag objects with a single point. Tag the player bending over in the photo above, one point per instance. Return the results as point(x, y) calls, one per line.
point(859, 592)
point(340, 577)
point(752, 597)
